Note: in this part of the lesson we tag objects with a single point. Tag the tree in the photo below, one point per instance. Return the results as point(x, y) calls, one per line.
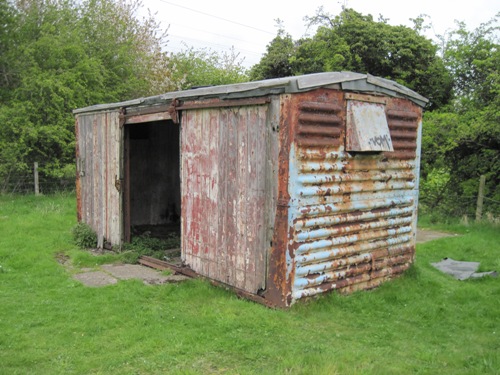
point(192, 68)
point(276, 62)
point(7, 44)
point(63, 54)
point(463, 138)
point(355, 42)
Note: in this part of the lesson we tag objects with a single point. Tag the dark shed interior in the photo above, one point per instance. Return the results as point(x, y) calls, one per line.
point(154, 178)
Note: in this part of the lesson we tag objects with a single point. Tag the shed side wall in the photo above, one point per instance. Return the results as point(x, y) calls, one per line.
point(224, 157)
point(98, 166)
point(351, 215)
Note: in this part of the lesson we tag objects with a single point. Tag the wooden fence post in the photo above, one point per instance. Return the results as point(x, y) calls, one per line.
point(480, 198)
point(35, 172)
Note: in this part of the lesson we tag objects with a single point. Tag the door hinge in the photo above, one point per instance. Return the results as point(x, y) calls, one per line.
point(118, 184)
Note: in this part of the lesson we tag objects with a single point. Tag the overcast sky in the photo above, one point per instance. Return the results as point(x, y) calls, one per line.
point(250, 25)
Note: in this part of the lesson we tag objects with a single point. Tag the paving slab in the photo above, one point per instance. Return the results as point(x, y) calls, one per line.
point(136, 271)
point(95, 278)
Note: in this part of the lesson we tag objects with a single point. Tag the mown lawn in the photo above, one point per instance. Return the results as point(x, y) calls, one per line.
point(423, 323)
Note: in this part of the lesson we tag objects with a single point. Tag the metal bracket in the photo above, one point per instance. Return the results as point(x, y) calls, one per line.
point(172, 110)
point(118, 183)
point(121, 118)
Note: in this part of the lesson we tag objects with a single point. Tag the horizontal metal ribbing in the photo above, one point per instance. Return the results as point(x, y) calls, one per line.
point(318, 210)
point(349, 187)
point(319, 119)
point(312, 179)
point(364, 236)
point(305, 282)
point(352, 217)
point(339, 164)
point(402, 115)
point(319, 107)
point(326, 232)
point(319, 130)
point(393, 245)
point(355, 260)
point(349, 281)
point(402, 134)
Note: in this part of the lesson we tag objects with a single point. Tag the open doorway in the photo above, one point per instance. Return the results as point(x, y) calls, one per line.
point(152, 172)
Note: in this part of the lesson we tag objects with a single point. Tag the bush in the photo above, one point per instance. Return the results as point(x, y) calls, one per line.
point(84, 236)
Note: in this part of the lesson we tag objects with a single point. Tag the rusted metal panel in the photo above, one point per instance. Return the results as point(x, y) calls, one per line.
point(224, 161)
point(366, 127)
point(351, 217)
point(99, 200)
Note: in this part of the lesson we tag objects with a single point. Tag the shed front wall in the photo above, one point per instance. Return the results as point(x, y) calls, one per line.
point(98, 137)
point(225, 199)
point(350, 216)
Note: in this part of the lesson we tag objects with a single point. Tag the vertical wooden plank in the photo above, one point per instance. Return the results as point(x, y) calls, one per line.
point(126, 175)
point(260, 218)
point(95, 176)
point(213, 181)
point(204, 191)
point(99, 180)
point(185, 187)
point(252, 195)
point(104, 183)
point(78, 185)
point(222, 207)
point(232, 162)
point(189, 187)
point(89, 170)
point(114, 170)
point(242, 195)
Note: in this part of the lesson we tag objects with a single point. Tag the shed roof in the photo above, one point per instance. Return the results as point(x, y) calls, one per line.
point(347, 81)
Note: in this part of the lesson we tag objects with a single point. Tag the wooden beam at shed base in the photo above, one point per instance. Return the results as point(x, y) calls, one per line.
point(162, 265)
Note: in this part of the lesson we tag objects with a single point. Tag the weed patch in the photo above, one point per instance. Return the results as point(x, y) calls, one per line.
point(84, 236)
point(153, 247)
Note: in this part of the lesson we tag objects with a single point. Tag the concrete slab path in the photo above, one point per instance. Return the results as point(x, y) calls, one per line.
point(110, 274)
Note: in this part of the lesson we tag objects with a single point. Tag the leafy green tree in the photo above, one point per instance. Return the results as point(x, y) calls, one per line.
point(8, 19)
point(355, 42)
point(463, 138)
point(276, 62)
point(67, 54)
point(192, 68)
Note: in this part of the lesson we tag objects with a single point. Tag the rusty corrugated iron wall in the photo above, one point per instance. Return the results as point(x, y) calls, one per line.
point(98, 157)
point(225, 198)
point(351, 216)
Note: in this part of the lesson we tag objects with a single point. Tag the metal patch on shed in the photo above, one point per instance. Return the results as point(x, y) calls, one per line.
point(366, 127)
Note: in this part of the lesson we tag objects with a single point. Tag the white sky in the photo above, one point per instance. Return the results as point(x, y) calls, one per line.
point(250, 25)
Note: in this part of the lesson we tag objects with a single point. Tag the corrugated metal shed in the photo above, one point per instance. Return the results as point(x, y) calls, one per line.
point(282, 189)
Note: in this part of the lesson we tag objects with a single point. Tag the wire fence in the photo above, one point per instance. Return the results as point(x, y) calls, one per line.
point(35, 181)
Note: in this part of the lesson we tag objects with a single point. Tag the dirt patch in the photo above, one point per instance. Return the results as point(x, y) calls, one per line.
point(426, 235)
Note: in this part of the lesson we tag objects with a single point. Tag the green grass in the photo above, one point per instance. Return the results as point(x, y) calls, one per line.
point(422, 323)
